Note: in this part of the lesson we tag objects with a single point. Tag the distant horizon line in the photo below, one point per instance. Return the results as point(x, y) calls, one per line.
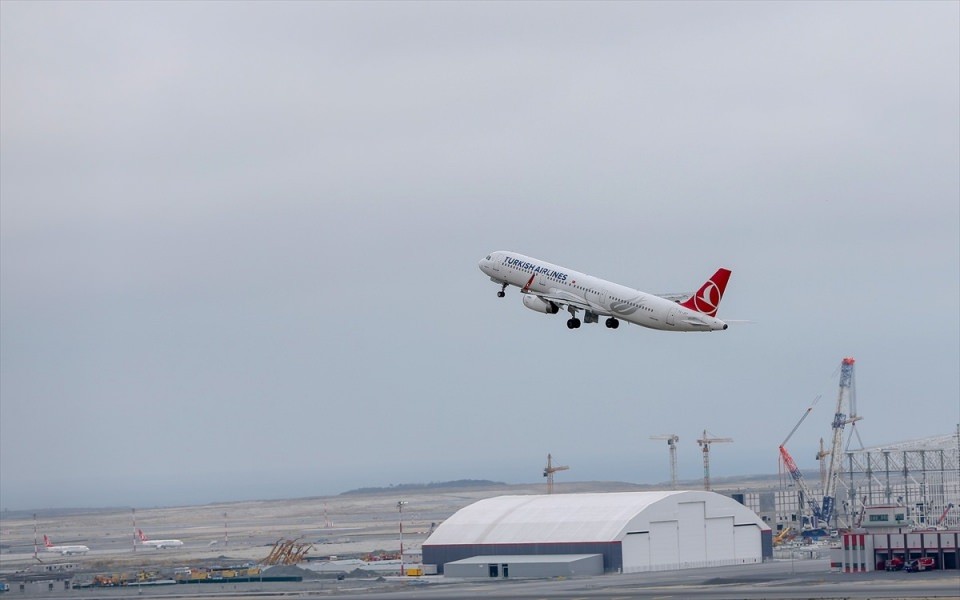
point(376, 490)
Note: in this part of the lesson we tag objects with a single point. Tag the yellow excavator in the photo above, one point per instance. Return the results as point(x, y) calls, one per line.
point(782, 536)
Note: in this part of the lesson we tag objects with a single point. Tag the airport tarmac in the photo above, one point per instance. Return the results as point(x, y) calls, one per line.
point(772, 580)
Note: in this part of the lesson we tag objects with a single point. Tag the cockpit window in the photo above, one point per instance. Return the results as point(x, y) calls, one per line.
point(488, 257)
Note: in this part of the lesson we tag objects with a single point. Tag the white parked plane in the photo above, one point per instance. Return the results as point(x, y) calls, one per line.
point(158, 544)
point(65, 550)
point(547, 287)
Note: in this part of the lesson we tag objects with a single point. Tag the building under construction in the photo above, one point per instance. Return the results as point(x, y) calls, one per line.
point(921, 475)
point(909, 485)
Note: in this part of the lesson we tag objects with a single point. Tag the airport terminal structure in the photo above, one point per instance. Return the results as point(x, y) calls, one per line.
point(630, 531)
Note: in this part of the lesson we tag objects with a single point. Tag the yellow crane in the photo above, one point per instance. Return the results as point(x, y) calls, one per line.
point(549, 470)
point(705, 442)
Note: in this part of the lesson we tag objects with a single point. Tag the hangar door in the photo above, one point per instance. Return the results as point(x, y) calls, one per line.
point(664, 543)
point(692, 533)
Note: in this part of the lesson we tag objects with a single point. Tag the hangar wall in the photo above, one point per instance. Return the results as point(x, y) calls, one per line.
point(442, 554)
point(700, 532)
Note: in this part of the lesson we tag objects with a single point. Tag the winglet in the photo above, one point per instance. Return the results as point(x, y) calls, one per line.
point(707, 299)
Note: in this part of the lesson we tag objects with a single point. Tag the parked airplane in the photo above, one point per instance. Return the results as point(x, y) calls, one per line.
point(65, 550)
point(158, 544)
point(547, 287)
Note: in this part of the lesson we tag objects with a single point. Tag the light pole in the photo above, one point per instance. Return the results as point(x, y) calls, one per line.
point(400, 517)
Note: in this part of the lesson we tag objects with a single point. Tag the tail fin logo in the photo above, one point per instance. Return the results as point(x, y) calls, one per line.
point(707, 298)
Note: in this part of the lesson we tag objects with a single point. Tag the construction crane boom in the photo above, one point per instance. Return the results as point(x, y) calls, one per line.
point(840, 419)
point(808, 498)
point(705, 442)
point(672, 440)
point(797, 426)
point(549, 470)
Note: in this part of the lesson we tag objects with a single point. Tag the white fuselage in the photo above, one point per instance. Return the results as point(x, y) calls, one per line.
point(67, 550)
point(160, 544)
point(601, 297)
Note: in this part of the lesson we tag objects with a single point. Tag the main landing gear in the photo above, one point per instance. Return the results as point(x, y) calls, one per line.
point(573, 322)
point(502, 292)
point(612, 323)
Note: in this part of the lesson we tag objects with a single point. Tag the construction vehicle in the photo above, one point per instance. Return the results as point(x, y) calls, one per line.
point(846, 399)
point(782, 536)
point(813, 507)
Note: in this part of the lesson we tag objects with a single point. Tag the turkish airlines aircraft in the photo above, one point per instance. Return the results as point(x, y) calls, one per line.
point(158, 544)
point(547, 287)
point(65, 550)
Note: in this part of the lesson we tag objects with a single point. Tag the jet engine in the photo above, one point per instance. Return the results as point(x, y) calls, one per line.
point(540, 305)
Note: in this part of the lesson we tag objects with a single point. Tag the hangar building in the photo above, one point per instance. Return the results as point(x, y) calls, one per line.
point(632, 531)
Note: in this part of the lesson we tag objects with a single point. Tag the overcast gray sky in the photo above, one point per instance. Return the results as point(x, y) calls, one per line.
point(240, 240)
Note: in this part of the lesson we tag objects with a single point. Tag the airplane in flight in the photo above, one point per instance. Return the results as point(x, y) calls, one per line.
point(64, 550)
point(158, 544)
point(547, 288)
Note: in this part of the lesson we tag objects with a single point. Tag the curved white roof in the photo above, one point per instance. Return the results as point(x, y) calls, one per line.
point(600, 517)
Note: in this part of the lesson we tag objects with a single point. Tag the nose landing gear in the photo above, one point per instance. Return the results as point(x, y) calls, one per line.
point(503, 291)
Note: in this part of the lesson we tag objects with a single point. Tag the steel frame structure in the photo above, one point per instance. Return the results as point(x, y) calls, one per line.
point(922, 475)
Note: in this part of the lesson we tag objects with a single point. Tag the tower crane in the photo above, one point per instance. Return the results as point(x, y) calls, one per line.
point(705, 442)
point(845, 397)
point(549, 470)
point(672, 440)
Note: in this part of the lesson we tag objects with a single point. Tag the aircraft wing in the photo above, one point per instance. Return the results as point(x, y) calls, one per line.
point(563, 298)
point(675, 297)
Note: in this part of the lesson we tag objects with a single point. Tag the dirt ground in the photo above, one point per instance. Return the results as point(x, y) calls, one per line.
point(344, 526)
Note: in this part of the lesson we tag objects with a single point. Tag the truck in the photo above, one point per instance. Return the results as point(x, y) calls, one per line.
point(893, 564)
point(920, 564)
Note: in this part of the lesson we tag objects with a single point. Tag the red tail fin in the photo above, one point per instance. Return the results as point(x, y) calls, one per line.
point(141, 535)
point(46, 541)
point(707, 298)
